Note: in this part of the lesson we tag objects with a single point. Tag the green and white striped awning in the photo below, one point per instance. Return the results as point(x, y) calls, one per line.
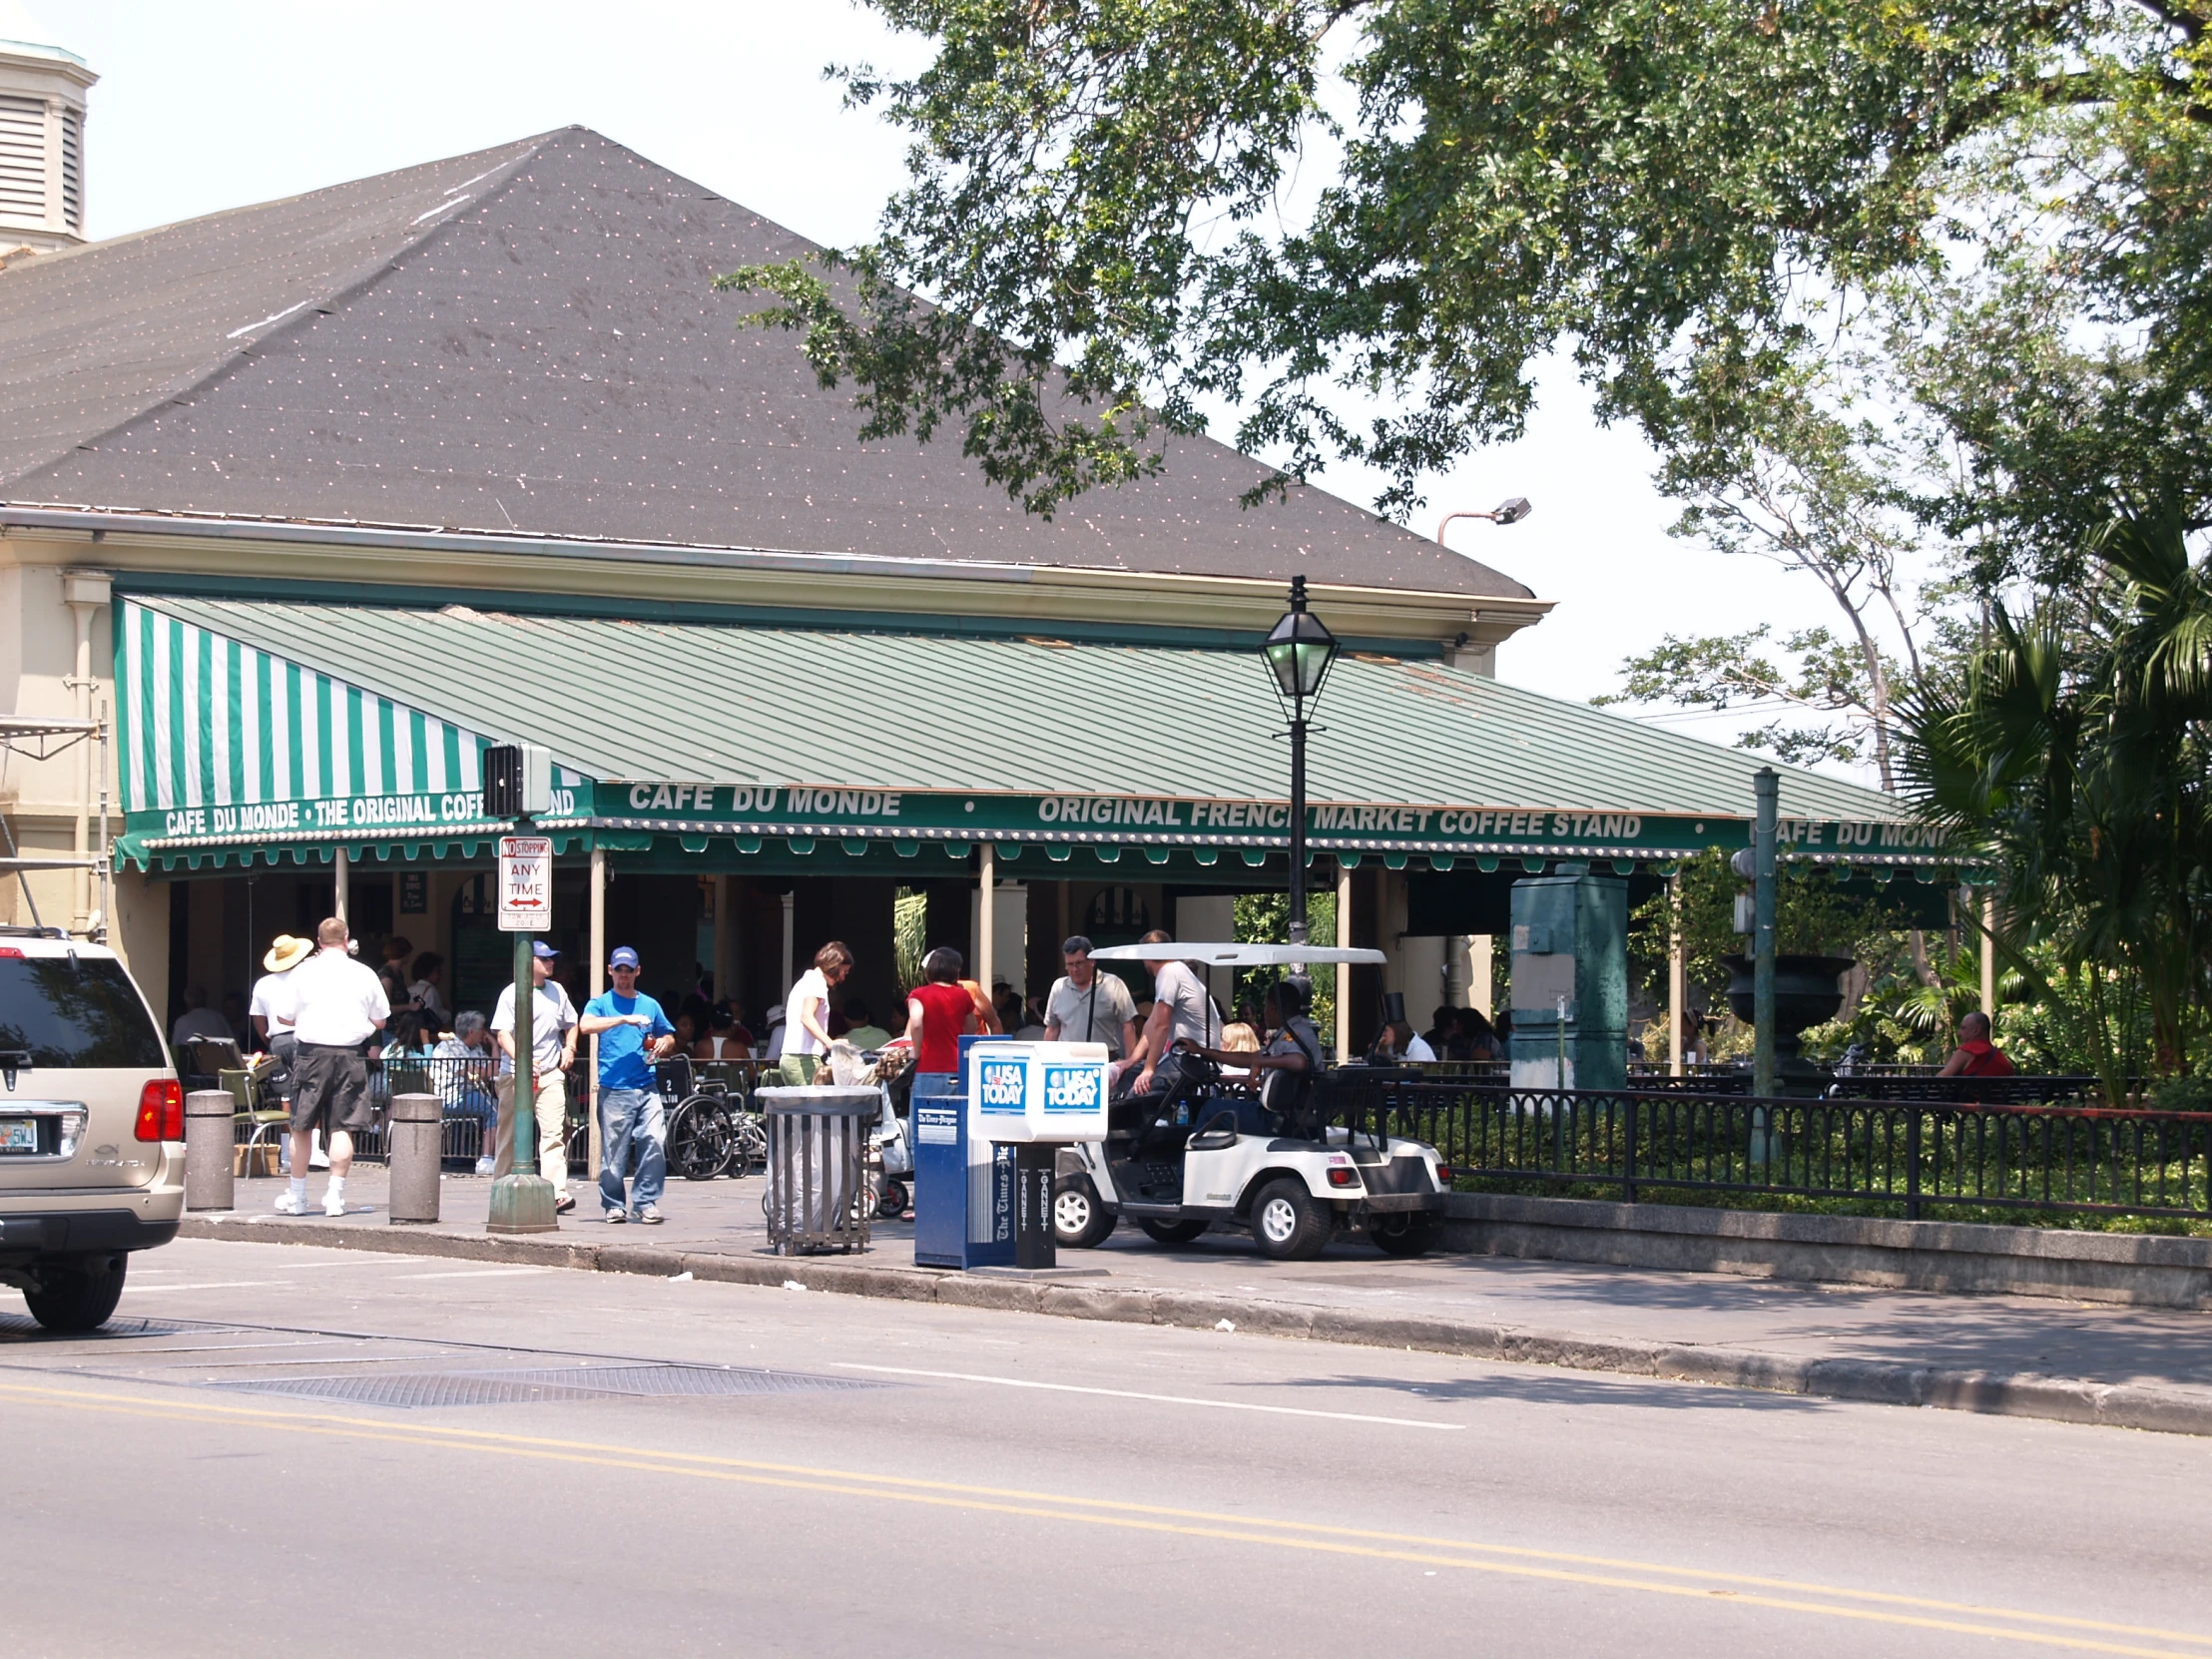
point(255, 727)
point(225, 742)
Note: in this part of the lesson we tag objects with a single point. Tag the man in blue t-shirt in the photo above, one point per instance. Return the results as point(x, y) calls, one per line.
point(631, 1033)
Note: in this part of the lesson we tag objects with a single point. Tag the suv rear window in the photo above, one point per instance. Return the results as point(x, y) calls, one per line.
point(81, 1012)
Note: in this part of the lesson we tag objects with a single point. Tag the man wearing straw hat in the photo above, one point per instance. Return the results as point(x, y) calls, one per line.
point(273, 1007)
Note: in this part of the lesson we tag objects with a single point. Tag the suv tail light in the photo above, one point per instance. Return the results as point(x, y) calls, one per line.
point(161, 1113)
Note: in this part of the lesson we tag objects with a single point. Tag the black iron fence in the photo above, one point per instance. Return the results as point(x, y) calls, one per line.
point(470, 1086)
point(1920, 1155)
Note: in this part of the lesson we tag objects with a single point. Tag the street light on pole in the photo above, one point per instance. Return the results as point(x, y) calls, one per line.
point(1299, 652)
point(1505, 512)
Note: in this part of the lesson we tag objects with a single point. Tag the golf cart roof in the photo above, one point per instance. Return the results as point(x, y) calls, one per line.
point(1235, 955)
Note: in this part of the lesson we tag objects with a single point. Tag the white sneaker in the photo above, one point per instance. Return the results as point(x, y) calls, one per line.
point(333, 1204)
point(483, 1166)
point(288, 1205)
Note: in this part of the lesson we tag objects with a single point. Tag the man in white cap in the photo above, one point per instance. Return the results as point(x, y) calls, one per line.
point(337, 1006)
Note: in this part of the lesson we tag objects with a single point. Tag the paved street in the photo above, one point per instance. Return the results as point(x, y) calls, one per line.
point(267, 1453)
point(2099, 1342)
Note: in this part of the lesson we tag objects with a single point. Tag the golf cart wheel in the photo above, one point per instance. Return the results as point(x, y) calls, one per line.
point(78, 1295)
point(1401, 1235)
point(890, 1203)
point(1080, 1221)
point(1172, 1232)
point(1286, 1221)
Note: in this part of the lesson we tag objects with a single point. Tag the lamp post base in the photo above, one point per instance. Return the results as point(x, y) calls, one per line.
point(522, 1204)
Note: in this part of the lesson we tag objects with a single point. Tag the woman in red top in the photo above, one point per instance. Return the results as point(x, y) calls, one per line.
point(939, 1012)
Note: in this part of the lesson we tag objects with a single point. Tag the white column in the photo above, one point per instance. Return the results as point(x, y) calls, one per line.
point(725, 934)
point(986, 925)
point(1479, 974)
point(1989, 952)
point(80, 683)
point(1344, 969)
point(789, 944)
point(596, 923)
point(1678, 974)
point(340, 870)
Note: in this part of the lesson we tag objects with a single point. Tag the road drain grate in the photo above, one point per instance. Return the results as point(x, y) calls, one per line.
point(419, 1390)
point(21, 1325)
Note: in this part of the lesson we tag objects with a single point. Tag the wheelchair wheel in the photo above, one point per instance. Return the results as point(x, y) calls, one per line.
point(697, 1140)
point(748, 1144)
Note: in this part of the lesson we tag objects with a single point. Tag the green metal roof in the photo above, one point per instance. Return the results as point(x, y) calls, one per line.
point(742, 704)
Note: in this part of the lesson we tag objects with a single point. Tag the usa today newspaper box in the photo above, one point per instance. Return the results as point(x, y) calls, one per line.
point(983, 1157)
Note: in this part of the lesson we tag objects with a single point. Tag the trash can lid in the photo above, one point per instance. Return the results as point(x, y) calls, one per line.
point(827, 1099)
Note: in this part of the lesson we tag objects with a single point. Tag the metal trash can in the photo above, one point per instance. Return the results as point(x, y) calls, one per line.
point(211, 1116)
point(817, 1196)
point(416, 1153)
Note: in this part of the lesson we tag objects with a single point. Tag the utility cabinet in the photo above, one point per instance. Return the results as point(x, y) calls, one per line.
point(1570, 981)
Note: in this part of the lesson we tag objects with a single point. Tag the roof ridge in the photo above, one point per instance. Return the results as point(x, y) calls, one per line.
point(348, 286)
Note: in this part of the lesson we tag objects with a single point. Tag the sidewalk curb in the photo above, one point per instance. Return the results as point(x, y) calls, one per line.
point(1873, 1382)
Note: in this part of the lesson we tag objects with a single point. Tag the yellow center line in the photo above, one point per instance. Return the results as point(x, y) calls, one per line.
point(1312, 1536)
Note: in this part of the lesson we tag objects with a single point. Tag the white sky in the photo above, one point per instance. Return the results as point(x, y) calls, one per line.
point(217, 103)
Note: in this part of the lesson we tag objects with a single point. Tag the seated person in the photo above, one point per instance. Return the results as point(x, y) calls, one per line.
point(727, 1038)
point(861, 1030)
point(1287, 1067)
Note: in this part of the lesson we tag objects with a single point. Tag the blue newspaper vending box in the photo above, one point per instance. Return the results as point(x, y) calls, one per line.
point(963, 1184)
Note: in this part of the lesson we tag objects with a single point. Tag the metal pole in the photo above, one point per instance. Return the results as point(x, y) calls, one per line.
point(523, 1202)
point(1766, 785)
point(1677, 975)
point(1296, 933)
point(341, 886)
point(526, 1077)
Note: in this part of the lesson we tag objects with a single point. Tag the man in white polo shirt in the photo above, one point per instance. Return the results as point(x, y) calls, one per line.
point(337, 1006)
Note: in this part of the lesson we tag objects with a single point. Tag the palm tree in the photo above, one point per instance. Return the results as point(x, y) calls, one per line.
point(2073, 756)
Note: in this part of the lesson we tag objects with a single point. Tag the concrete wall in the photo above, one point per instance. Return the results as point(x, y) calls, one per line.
point(2141, 1270)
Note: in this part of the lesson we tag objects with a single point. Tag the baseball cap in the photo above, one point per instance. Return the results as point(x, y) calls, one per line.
point(542, 951)
point(623, 956)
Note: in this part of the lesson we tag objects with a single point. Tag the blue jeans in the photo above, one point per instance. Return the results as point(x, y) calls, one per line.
point(627, 1115)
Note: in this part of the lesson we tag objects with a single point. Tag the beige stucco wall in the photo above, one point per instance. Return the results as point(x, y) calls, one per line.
point(37, 648)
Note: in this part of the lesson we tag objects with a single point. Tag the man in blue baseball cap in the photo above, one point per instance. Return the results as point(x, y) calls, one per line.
point(631, 1033)
point(552, 1051)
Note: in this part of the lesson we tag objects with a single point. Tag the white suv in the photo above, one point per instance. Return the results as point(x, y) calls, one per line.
point(92, 1127)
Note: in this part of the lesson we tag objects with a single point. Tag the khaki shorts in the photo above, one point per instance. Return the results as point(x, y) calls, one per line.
point(329, 1089)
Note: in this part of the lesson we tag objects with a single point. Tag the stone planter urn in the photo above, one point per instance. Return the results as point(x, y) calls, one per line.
point(1805, 993)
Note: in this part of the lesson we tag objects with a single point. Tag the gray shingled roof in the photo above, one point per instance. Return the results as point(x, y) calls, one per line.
point(525, 339)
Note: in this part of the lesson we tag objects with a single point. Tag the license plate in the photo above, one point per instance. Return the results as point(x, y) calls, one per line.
point(18, 1135)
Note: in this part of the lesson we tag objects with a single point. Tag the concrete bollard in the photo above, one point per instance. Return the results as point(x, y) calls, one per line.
point(209, 1149)
point(417, 1131)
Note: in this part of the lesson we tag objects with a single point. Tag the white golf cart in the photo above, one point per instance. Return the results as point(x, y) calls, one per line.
point(1210, 1154)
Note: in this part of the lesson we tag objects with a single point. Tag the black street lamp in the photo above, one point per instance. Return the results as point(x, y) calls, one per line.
point(1298, 651)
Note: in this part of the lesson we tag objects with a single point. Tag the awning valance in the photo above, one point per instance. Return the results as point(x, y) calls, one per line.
point(265, 724)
